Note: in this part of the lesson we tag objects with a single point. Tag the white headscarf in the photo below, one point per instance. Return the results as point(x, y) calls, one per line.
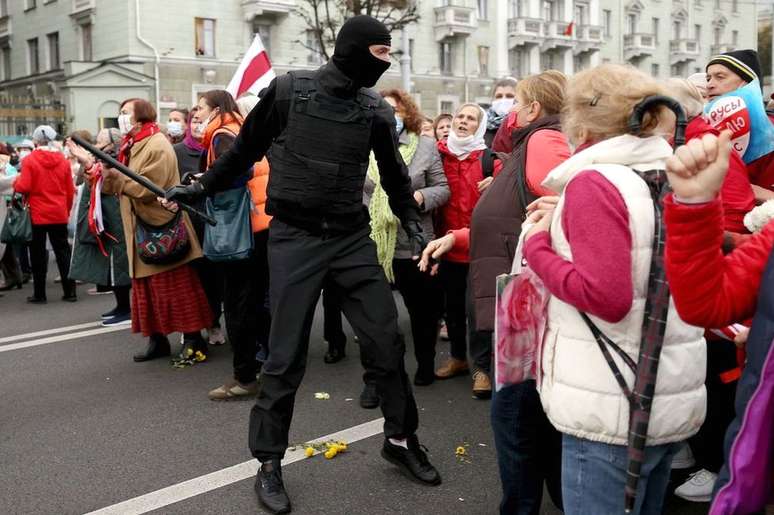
point(464, 146)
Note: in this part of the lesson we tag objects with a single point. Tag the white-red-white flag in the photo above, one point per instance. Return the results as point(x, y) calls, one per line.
point(254, 72)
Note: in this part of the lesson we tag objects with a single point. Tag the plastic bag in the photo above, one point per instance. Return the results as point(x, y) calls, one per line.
point(520, 321)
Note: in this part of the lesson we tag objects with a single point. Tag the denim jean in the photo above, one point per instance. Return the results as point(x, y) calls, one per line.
point(594, 476)
point(528, 450)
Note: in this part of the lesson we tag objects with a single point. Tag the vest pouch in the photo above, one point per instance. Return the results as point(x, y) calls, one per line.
point(309, 183)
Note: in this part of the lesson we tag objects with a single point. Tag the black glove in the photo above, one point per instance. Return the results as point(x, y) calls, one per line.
point(186, 194)
point(416, 237)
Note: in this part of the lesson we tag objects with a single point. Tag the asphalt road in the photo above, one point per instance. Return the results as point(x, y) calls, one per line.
point(83, 427)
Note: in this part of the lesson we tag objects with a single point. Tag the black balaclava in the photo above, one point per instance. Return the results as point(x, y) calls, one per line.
point(351, 54)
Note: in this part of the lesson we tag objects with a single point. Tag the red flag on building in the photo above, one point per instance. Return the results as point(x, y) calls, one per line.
point(568, 30)
point(254, 72)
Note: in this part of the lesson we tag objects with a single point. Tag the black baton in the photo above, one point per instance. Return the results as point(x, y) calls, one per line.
point(113, 163)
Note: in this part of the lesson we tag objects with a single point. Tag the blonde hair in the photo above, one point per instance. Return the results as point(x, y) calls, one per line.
point(479, 111)
point(689, 96)
point(547, 89)
point(600, 101)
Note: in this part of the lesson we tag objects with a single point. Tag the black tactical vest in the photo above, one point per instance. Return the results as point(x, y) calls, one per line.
point(319, 162)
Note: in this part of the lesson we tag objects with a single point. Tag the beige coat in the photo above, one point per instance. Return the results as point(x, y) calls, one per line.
point(155, 159)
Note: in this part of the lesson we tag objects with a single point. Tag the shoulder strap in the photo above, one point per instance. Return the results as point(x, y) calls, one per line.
point(487, 162)
point(368, 98)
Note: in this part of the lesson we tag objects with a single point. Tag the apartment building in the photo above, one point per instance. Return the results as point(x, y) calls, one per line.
point(79, 58)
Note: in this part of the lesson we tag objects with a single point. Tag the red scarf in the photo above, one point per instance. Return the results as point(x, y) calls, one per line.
point(148, 129)
point(96, 225)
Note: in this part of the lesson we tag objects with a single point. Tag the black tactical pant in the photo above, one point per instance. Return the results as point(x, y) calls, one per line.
point(299, 263)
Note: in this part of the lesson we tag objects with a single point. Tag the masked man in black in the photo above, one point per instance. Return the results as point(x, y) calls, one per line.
point(318, 130)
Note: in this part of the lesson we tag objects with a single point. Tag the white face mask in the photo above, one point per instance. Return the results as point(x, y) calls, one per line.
point(175, 129)
point(502, 106)
point(124, 124)
point(199, 129)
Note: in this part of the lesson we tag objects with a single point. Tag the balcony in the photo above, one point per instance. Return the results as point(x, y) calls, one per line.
point(721, 48)
point(525, 31)
point(683, 50)
point(556, 36)
point(5, 29)
point(82, 5)
point(453, 21)
point(589, 38)
point(639, 45)
point(253, 8)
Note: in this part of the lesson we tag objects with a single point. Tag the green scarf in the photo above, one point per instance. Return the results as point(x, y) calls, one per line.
point(384, 224)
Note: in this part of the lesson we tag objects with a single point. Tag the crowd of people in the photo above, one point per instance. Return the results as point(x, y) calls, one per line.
point(549, 170)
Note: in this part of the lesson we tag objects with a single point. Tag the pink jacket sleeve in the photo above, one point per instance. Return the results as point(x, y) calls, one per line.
point(596, 222)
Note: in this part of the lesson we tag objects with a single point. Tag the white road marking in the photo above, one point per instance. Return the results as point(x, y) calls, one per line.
point(208, 482)
point(62, 338)
point(48, 331)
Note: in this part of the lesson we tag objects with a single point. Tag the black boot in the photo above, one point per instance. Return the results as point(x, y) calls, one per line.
point(270, 489)
point(412, 461)
point(369, 399)
point(335, 353)
point(425, 376)
point(158, 347)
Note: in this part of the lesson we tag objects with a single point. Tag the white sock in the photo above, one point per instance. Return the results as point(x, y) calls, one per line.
point(399, 443)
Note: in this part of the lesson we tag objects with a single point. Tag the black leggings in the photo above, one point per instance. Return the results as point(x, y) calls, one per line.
point(57, 235)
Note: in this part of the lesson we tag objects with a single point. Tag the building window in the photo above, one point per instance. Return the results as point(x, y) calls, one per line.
point(607, 20)
point(483, 11)
point(313, 45)
point(697, 33)
point(734, 38)
point(445, 57)
point(30, 4)
point(3, 8)
point(735, 6)
point(6, 68)
point(518, 61)
point(205, 37)
point(655, 70)
point(33, 59)
point(86, 48)
point(483, 61)
point(655, 29)
point(411, 54)
point(263, 29)
point(677, 30)
point(718, 35)
point(447, 106)
point(717, 4)
point(516, 8)
point(550, 10)
point(53, 51)
point(631, 23)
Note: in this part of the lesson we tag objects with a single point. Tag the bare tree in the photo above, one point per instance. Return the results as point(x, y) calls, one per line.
point(324, 18)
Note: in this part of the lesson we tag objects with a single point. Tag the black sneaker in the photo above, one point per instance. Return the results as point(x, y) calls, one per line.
point(118, 319)
point(270, 488)
point(412, 461)
point(369, 399)
point(110, 314)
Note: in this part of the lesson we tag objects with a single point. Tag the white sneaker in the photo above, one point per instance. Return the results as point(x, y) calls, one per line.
point(699, 487)
point(683, 459)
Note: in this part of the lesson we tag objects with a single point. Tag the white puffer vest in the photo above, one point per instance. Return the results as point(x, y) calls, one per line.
point(578, 390)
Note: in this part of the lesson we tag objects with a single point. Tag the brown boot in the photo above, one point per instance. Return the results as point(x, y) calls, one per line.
point(482, 385)
point(453, 367)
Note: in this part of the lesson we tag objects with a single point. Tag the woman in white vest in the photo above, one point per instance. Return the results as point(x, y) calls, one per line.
point(593, 251)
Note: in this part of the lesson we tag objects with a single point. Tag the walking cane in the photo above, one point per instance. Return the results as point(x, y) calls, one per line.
point(143, 181)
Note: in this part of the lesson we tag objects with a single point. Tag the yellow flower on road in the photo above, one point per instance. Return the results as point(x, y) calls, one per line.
point(461, 451)
point(309, 452)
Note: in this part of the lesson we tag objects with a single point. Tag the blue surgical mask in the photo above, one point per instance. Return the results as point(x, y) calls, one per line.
point(398, 124)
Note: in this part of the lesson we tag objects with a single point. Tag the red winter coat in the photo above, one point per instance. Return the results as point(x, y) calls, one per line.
point(47, 180)
point(463, 178)
point(737, 194)
point(709, 289)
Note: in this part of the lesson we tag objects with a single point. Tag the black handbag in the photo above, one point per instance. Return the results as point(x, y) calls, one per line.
point(17, 228)
point(162, 244)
